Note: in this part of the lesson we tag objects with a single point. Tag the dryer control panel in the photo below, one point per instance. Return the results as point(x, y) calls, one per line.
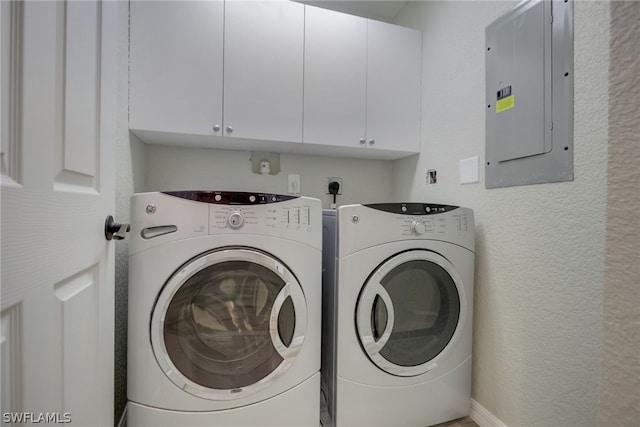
point(433, 225)
point(362, 226)
point(429, 219)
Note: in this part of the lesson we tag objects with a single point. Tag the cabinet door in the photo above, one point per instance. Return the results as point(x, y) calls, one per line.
point(393, 87)
point(176, 66)
point(335, 70)
point(263, 70)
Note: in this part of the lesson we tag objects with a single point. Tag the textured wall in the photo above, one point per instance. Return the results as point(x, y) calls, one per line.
point(620, 369)
point(130, 176)
point(129, 179)
point(173, 168)
point(124, 182)
point(540, 248)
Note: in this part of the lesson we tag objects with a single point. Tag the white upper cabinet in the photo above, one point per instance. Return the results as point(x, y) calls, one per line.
point(362, 83)
point(394, 69)
point(335, 78)
point(263, 64)
point(176, 66)
point(273, 76)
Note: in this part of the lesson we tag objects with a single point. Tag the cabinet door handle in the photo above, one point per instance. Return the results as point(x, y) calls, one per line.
point(362, 141)
point(229, 129)
point(372, 141)
point(216, 128)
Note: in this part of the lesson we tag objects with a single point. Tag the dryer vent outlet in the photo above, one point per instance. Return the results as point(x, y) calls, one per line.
point(432, 177)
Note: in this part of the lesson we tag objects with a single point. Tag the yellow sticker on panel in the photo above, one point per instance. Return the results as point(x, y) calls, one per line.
point(505, 104)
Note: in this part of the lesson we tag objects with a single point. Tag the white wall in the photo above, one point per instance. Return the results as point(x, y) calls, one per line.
point(540, 248)
point(130, 167)
point(129, 179)
point(178, 168)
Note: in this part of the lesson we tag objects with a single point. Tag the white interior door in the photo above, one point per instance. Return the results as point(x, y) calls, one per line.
point(59, 100)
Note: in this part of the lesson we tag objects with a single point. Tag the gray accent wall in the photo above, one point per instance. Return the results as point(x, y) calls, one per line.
point(620, 356)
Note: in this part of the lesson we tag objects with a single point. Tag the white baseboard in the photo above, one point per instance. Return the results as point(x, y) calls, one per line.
point(483, 417)
point(123, 418)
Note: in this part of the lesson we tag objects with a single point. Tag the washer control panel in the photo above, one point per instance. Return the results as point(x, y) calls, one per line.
point(258, 213)
point(162, 217)
point(288, 216)
point(231, 197)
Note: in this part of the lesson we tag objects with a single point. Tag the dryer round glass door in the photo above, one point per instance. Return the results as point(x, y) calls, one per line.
point(228, 323)
point(409, 311)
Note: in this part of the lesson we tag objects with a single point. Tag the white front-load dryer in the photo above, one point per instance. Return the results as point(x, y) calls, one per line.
point(398, 289)
point(224, 309)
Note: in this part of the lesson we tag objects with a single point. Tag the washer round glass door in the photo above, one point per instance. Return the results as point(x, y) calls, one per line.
point(409, 311)
point(228, 323)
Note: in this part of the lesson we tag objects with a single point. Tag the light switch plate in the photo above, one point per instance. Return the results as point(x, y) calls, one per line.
point(293, 183)
point(469, 170)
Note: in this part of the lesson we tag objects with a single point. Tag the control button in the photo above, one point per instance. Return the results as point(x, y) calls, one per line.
point(427, 209)
point(418, 227)
point(151, 209)
point(404, 209)
point(235, 220)
point(218, 197)
point(252, 199)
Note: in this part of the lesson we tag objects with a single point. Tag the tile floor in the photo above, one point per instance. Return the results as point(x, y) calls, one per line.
point(462, 422)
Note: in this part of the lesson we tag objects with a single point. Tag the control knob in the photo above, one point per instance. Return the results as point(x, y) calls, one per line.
point(418, 228)
point(235, 220)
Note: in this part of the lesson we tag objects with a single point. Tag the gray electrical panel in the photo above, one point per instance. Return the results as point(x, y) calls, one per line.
point(529, 95)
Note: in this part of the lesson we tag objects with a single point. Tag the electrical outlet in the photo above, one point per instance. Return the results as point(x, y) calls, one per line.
point(333, 179)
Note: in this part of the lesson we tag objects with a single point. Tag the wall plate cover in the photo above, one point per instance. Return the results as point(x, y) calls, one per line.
point(293, 183)
point(469, 170)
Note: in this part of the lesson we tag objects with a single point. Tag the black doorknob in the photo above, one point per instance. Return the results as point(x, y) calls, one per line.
point(113, 230)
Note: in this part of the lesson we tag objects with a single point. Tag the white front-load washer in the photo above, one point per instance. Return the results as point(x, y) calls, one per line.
point(398, 290)
point(224, 309)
